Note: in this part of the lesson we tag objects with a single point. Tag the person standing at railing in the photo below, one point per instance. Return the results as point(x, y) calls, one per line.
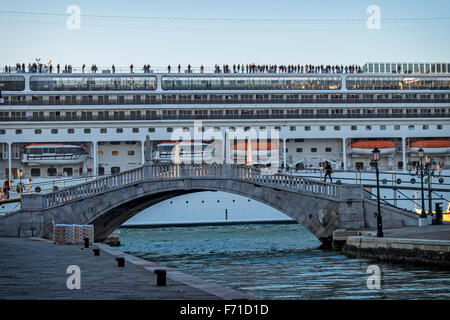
point(179, 68)
point(131, 68)
point(328, 171)
point(168, 68)
point(113, 69)
point(202, 68)
point(82, 68)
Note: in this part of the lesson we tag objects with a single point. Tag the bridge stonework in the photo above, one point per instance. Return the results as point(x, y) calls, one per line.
point(108, 202)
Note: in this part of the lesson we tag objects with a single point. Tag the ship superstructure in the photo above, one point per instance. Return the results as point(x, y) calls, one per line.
point(338, 117)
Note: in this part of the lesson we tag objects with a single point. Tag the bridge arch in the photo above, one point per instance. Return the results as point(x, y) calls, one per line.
point(111, 209)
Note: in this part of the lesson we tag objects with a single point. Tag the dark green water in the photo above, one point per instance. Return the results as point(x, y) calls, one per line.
point(279, 262)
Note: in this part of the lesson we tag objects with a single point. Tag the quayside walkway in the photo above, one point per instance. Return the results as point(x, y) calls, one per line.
point(108, 202)
point(37, 269)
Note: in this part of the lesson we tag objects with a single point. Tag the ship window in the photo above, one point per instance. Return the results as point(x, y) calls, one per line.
point(37, 131)
point(425, 127)
point(87, 130)
point(383, 127)
point(100, 153)
point(307, 128)
point(119, 130)
point(35, 172)
point(54, 131)
point(169, 129)
point(114, 143)
point(397, 127)
point(2, 131)
point(439, 126)
point(135, 130)
point(51, 172)
point(411, 127)
point(151, 129)
point(328, 149)
point(115, 153)
point(337, 128)
point(299, 150)
point(313, 149)
point(299, 140)
point(131, 152)
point(101, 171)
point(70, 131)
point(68, 172)
point(292, 128)
point(368, 128)
point(115, 170)
point(322, 128)
point(354, 128)
point(18, 131)
point(103, 130)
point(277, 128)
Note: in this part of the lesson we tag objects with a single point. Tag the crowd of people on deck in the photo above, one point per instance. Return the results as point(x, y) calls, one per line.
point(225, 68)
point(291, 68)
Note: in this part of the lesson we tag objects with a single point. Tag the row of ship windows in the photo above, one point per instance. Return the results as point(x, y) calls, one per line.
point(137, 114)
point(146, 83)
point(222, 99)
point(217, 129)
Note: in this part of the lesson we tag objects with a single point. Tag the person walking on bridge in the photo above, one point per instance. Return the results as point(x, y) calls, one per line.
point(328, 171)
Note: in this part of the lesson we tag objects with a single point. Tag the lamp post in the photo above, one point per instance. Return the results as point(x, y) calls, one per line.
point(20, 186)
point(376, 158)
point(427, 169)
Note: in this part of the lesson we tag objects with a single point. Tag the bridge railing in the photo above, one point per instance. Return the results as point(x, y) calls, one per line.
point(246, 173)
point(193, 170)
point(92, 187)
point(286, 180)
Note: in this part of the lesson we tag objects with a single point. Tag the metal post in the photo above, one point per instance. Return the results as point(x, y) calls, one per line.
point(379, 219)
point(430, 197)
point(423, 213)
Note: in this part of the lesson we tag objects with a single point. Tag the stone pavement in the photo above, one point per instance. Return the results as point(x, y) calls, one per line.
point(36, 269)
point(430, 232)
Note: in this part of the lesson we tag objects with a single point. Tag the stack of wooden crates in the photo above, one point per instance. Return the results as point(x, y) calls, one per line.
point(72, 233)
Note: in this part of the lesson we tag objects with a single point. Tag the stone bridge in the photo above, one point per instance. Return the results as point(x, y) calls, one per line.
point(110, 201)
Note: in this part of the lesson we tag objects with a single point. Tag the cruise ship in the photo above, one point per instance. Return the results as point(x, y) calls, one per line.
point(62, 126)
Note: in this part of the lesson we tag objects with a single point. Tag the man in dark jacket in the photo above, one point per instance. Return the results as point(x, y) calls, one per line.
point(328, 171)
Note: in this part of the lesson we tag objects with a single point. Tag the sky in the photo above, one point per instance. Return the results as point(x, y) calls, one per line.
point(233, 31)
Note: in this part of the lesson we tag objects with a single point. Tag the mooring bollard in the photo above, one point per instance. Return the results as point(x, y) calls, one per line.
point(86, 242)
point(160, 277)
point(120, 262)
point(96, 252)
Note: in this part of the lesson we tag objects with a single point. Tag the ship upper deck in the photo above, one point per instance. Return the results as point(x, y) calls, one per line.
point(72, 83)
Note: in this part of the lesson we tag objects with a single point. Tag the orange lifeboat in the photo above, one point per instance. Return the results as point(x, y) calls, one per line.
point(254, 152)
point(255, 145)
point(433, 146)
point(365, 148)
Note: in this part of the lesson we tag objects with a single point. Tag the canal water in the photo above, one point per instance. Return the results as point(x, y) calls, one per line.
point(279, 262)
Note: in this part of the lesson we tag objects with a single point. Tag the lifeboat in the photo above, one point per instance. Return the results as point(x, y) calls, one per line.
point(365, 148)
point(53, 154)
point(430, 146)
point(186, 151)
point(254, 152)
